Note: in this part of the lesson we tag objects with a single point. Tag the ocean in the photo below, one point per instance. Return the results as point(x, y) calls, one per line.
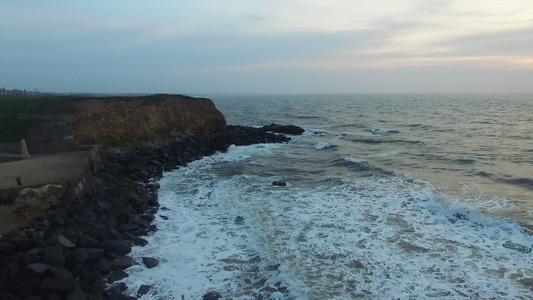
point(387, 197)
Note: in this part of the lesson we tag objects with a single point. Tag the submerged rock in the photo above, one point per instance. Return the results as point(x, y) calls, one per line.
point(212, 295)
point(517, 247)
point(287, 129)
point(279, 183)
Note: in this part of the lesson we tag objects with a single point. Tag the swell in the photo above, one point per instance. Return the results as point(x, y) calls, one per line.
point(384, 141)
point(522, 182)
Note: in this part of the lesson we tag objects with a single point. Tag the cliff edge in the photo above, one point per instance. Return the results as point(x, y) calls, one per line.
point(116, 119)
point(65, 123)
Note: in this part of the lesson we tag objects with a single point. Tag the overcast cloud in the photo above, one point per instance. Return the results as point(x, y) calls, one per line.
point(254, 46)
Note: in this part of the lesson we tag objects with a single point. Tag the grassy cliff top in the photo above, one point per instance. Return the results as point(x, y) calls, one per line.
point(17, 114)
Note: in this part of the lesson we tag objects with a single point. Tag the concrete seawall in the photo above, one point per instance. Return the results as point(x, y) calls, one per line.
point(72, 170)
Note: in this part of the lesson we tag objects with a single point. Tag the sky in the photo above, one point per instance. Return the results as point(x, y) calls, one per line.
point(258, 46)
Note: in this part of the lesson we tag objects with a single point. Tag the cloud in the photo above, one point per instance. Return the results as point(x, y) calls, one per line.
point(124, 39)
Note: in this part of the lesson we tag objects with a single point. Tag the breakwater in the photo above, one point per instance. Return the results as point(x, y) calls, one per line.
point(80, 250)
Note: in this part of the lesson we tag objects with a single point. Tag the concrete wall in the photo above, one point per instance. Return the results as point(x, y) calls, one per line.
point(81, 178)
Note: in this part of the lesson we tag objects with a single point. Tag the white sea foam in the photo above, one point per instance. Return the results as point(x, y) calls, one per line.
point(381, 131)
point(354, 160)
point(376, 237)
point(322, 145)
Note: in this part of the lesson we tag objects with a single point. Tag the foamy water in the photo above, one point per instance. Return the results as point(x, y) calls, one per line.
point(336, 231)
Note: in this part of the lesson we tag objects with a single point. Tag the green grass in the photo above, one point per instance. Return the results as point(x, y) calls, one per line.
point(16, 113)
point(5, 159)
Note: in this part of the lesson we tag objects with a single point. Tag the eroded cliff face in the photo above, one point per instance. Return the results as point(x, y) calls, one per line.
point(115, 119)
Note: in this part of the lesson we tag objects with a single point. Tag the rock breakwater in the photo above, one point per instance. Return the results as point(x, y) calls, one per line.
point(80, 250)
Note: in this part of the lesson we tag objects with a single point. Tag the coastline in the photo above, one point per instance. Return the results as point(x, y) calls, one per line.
point(82, 248)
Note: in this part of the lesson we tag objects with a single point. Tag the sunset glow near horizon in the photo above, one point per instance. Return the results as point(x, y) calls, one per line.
point(302, 46)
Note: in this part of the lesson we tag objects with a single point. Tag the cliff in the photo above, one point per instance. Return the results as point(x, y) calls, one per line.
point(65, 123)
point(150, 117)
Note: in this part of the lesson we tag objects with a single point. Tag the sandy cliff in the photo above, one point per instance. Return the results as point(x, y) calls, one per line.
point(122, 119)
point(144, 118)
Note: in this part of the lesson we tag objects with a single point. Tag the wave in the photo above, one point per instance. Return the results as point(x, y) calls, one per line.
point(383, 131)
point(384, 141)
point(526, 183)
point(523, 182)
point(323, 145)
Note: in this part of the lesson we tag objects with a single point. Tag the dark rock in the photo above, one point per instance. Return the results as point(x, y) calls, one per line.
point(4, 295)
point(89, 217)
point(101, 265)
point(143, 289)
point(127, 227)
point(212, 295)
point(75, 267)
point(53, 260)
point(140, 242)
point(34, 297)
point(122, 263)
point(121, 247)
point(148, 216)
point(77, 293)
point(272, 267)
point(239, 220)
point(57, 286)
point(26, 287)
point(91, 276)
point(287, 129)
point(356, 264)
point(279, 183)
point(150, 262)
point(60, 239)
point(38, 268)
point(58, 272)
point(117, 275)
point(11, 272)
point(86, 241)
point(23, 244)
point(116, 289)
point(517, 247)
point(98, 288)
point(92, 253)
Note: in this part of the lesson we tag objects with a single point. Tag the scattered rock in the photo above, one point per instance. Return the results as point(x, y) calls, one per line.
point(279, 183)
point(150, 262)
point(117, 275)
point(143, 289)
point(517, 247)
point(212, 295)
point(356, 264)
point(67, 251)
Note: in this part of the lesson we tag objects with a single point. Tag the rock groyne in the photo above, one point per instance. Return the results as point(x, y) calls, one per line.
point(80, 250)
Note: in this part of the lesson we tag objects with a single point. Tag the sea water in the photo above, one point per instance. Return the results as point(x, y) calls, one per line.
point(387, 197)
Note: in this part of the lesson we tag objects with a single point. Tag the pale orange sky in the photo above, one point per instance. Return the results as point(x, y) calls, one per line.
point(252, 46)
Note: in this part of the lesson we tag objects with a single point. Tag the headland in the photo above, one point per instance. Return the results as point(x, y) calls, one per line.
point(78, 249)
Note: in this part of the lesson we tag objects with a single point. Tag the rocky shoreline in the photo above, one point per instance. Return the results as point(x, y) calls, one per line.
point(80, 250)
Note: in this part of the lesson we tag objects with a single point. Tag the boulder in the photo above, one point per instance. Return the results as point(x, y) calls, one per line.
point(143, 289)
point(279, 183)
point(32, 202)
point(122, 263)
point(287, 129)
point(150, 262)
point(212, 295)
point(117, 275)
point(57, 286)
